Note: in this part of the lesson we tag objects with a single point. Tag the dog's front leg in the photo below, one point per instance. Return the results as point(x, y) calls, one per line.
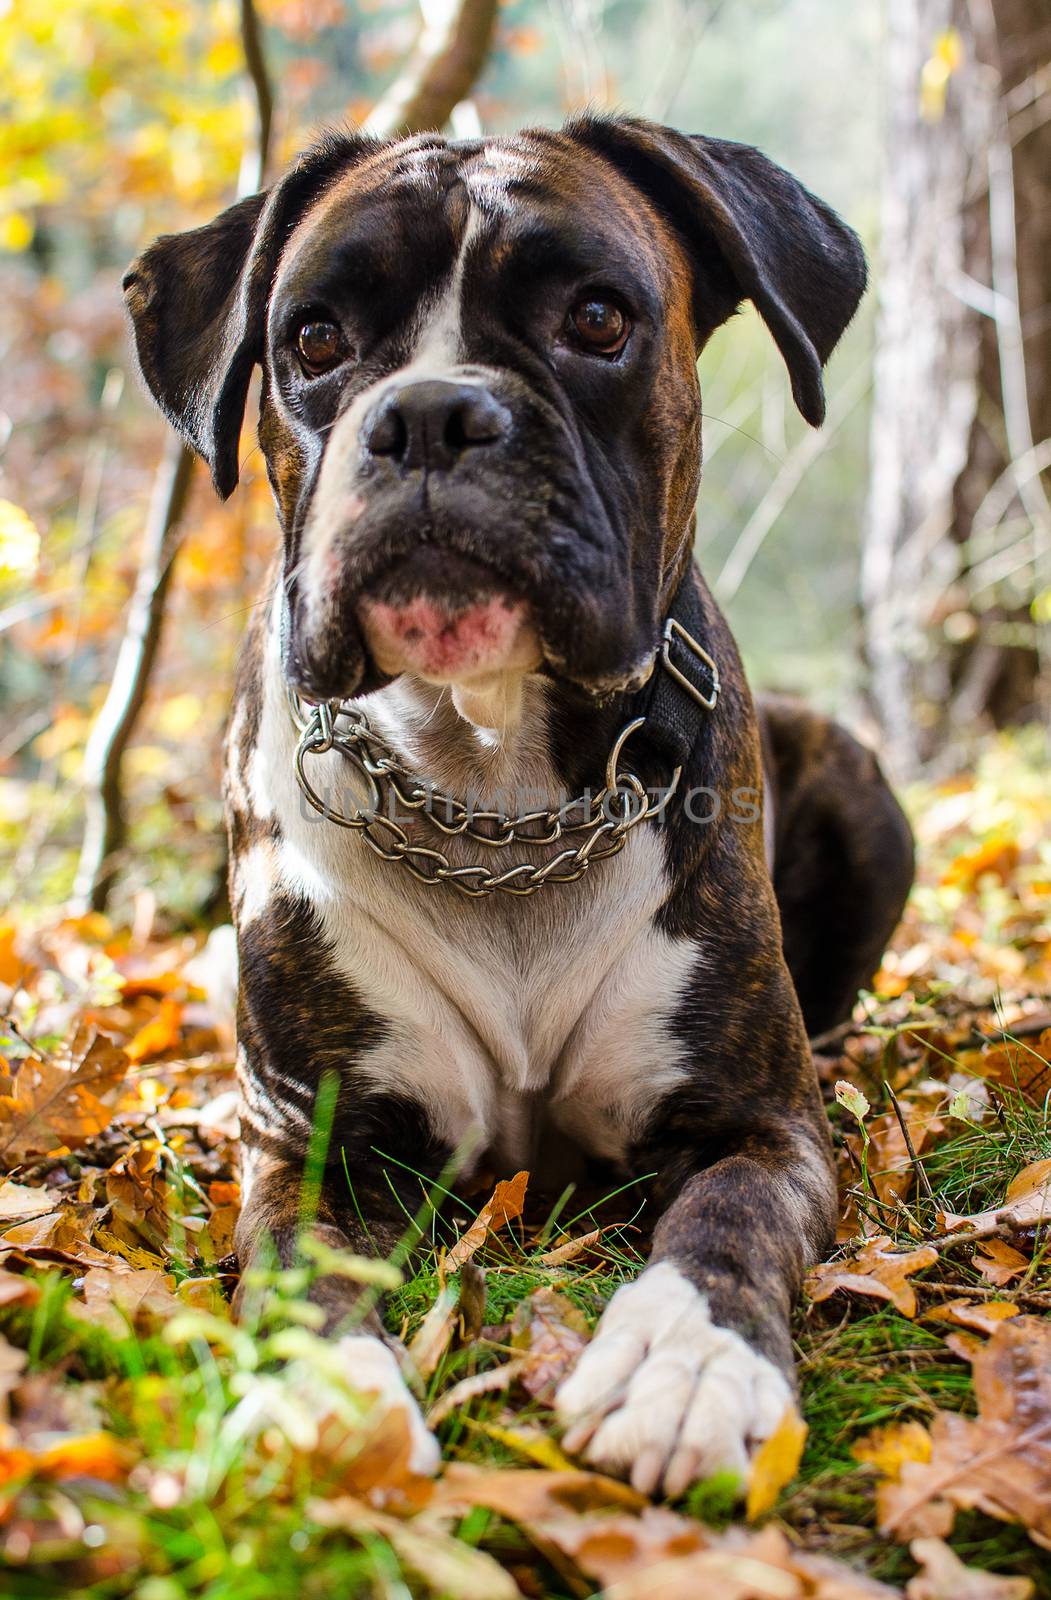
point(272, 1225)
point(691, 1366)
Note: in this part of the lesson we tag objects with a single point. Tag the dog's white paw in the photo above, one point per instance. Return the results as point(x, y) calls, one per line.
point(372, 1367)
point(665, 1396)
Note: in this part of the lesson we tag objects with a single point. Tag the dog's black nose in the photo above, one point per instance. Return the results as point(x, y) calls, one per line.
point(431, 423)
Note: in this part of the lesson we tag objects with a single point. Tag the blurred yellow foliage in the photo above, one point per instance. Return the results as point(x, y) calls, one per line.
point(946, 57)
point(108, 102)
point(19, 542)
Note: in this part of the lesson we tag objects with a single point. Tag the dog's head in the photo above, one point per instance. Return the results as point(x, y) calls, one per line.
point(480, 410)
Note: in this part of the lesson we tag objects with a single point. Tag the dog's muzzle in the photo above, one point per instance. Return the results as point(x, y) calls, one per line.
point(685, 678)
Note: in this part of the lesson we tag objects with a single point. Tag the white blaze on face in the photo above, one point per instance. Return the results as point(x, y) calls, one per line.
point(483, 651)
point(438, 347)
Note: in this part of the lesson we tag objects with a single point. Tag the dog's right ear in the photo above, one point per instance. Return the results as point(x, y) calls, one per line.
point(198, 304)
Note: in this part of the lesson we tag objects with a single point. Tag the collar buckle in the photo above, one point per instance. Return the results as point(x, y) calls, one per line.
point(706, 694)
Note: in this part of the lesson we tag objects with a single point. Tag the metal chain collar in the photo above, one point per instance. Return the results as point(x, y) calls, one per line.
point(605, 819)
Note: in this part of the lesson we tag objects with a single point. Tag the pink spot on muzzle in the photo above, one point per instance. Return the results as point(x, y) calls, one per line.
point(425, 637)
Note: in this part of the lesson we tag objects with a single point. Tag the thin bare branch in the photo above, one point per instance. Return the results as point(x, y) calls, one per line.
point(450, 53)
point(257, 151)
point(105, 824)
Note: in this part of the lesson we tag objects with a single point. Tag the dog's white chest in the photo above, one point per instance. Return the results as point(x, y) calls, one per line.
point(518, 1023)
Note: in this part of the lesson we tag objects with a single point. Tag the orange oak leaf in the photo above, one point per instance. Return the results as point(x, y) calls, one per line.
point(944, 1577)
point(876, 1270)
point(505, 1204)
point(982, 1316)
point(999, 1262)
point(64, 1236)
point(1027, 1201)
point(50, 1104)
point(998, 1462)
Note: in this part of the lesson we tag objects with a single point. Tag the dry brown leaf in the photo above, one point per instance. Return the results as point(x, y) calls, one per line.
point(999, 1462)
point(997, 857)
point(527, 1496)
point(741, 1566)
point(775, 1463)
point(1024, 1067)
point(220, 1230)
point(1027, 1201)
point(435, 1333)
point(505, 1204)
point(93, 1455)
point(999, 1262)
point(50, 1104)
point(964, 1345)
point(445, 1565)
point(382, 1462)
point(19, 1200)
point(877, 1271)
point(552, 1330)
point(944, 1577)
point(138, 1192)
point(571, 1249)
point(890, 1164)
point(982, 1316)
point(13, 969)
point(15, 1289)
point(64, 1236)
point(494, 1381)
point(472, 1302)
point(610, 1546)
point(122, 1298)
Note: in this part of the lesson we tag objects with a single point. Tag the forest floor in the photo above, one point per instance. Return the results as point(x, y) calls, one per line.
point(150, 1448)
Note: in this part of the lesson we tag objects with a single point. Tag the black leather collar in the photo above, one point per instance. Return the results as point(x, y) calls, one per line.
point(683, 689)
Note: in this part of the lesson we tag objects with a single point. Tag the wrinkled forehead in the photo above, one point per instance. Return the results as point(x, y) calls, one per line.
point(536, 201)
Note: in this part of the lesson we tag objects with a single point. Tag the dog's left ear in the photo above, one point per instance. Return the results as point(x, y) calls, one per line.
point(753, 233)
point(198, 304)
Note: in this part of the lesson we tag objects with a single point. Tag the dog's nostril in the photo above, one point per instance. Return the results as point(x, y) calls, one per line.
point(478, 419)
point(385, 434)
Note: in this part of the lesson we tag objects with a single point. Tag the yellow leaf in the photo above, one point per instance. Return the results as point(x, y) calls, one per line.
point(889, 1448)
point(946, 57)
point(16, 232)
point(776, 1463)
point(534, 1445)
point(19, 542)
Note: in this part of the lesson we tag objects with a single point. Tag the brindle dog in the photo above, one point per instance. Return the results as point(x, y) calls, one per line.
point(482, 424)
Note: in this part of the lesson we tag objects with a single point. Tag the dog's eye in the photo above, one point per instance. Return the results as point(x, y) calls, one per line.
point(599, 325)
point(319, 346)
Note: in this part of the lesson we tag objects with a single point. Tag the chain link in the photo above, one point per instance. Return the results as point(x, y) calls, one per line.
point(606, 821)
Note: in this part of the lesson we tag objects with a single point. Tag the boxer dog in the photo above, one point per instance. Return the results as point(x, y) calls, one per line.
point(481, 421)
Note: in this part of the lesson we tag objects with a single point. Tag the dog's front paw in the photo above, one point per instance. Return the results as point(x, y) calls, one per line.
point(372, 1367)
point(665, 1396)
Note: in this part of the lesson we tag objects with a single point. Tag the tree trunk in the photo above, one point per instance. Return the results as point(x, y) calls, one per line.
point(961, 376)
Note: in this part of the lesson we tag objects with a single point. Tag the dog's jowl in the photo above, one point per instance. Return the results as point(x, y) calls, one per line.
point(504, 858)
